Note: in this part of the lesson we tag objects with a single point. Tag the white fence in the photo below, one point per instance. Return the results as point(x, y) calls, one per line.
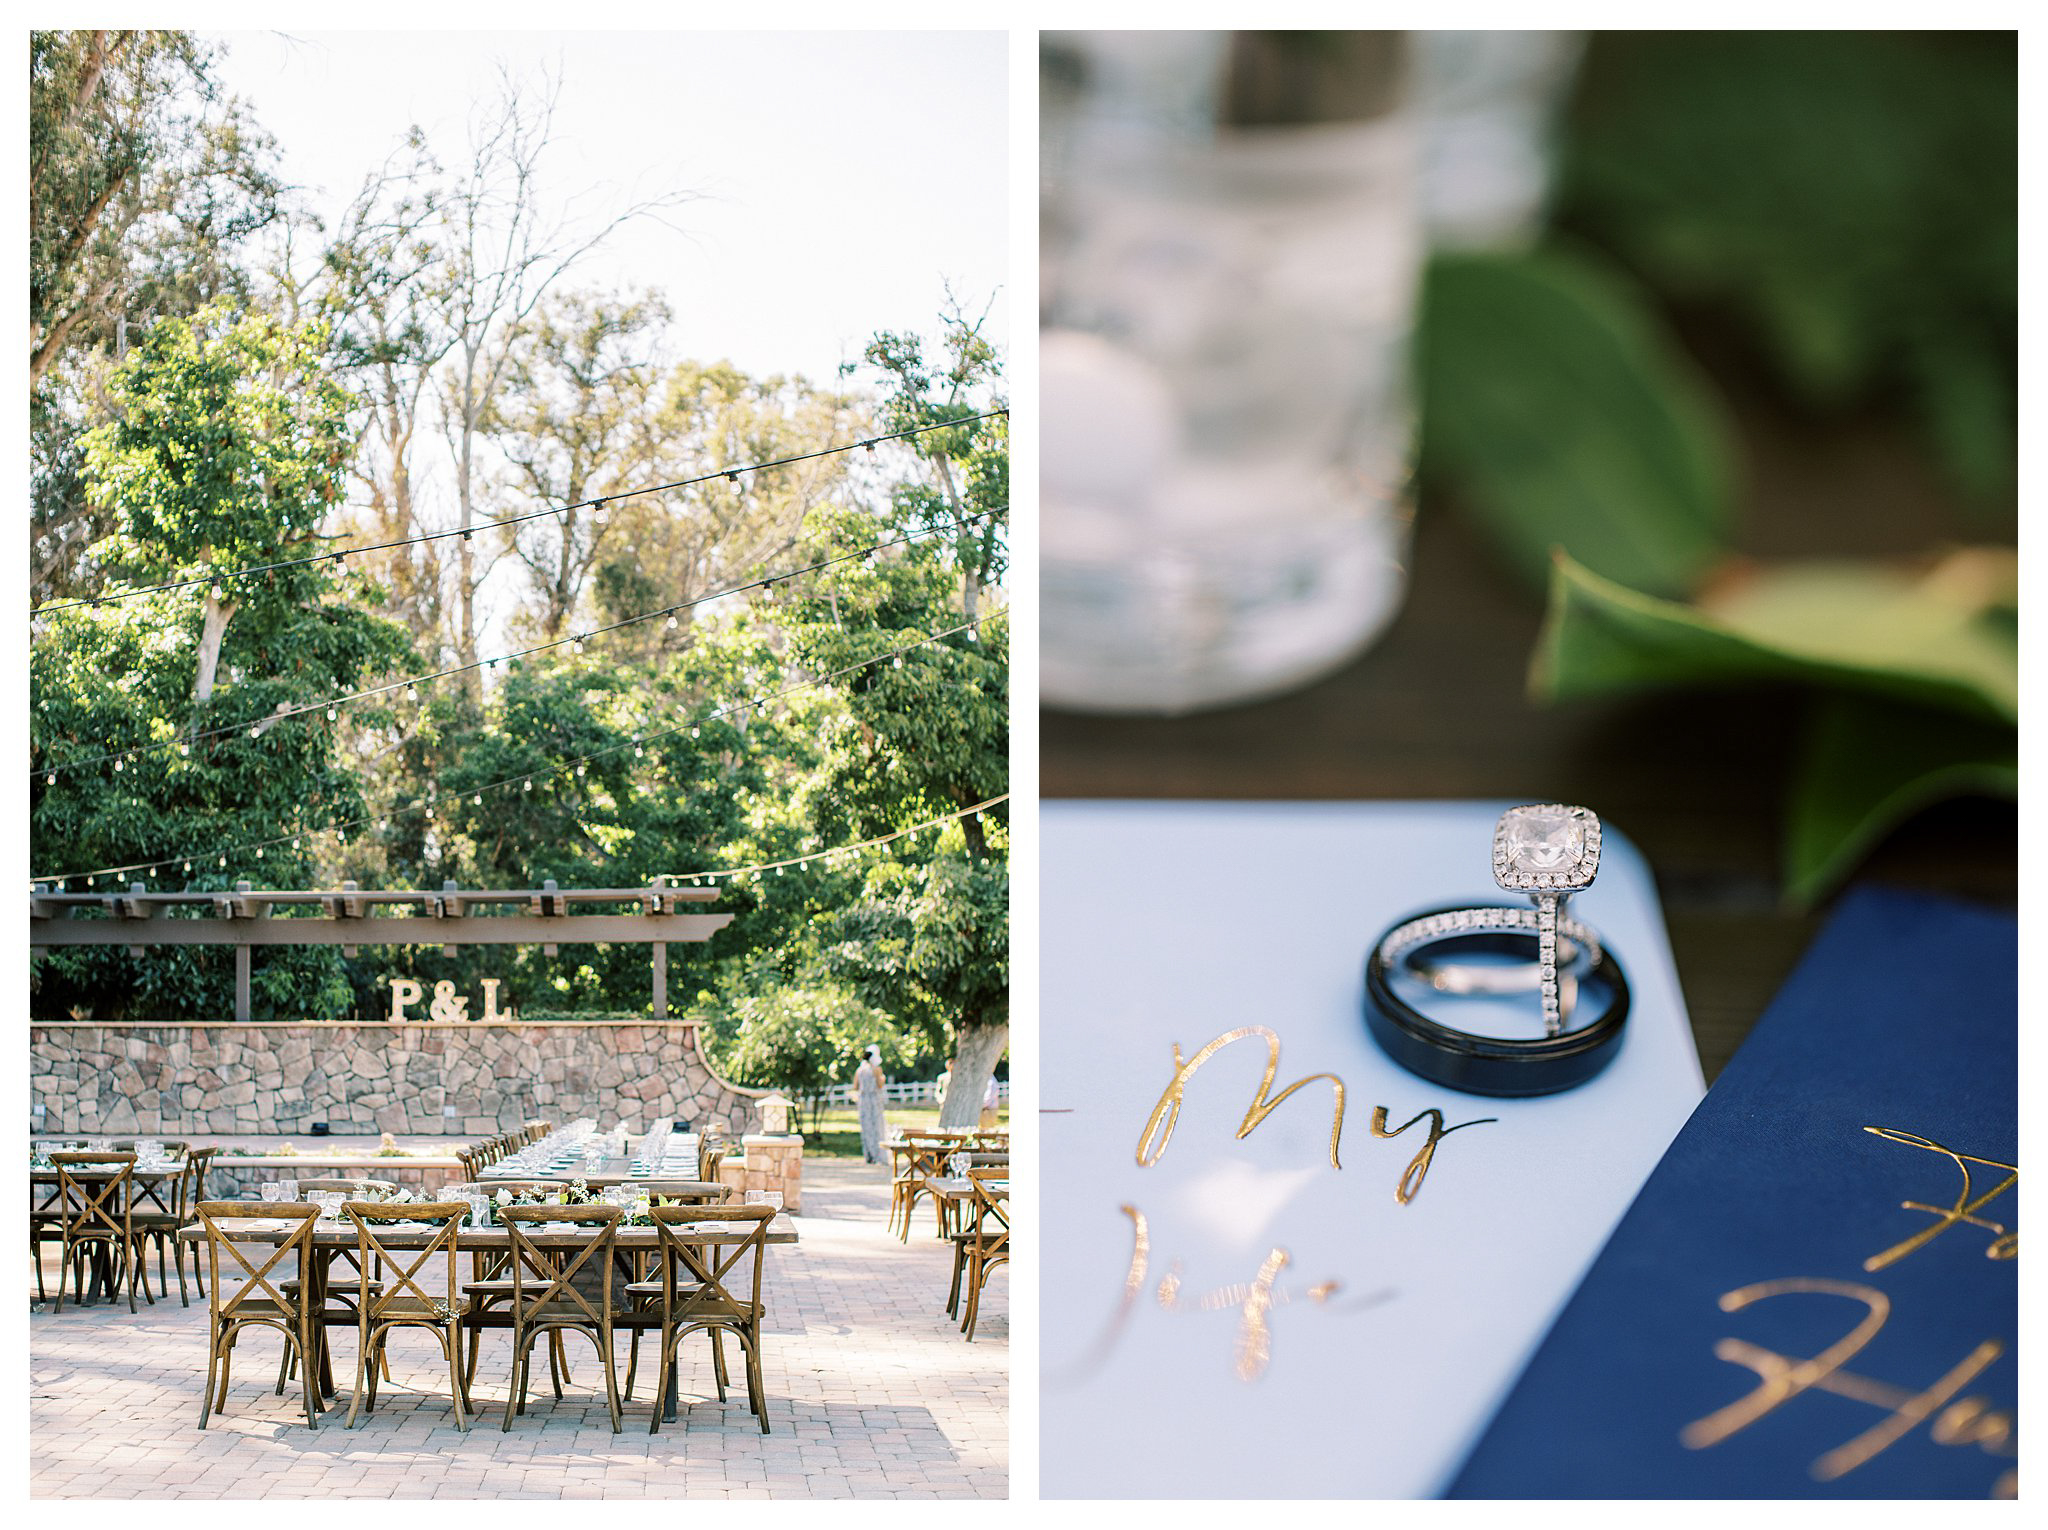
point(901, 1094)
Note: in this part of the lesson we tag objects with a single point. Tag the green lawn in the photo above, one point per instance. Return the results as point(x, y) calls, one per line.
point(838, 1134)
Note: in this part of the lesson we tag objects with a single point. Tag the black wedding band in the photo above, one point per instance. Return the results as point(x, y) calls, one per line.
point(1485, 1064)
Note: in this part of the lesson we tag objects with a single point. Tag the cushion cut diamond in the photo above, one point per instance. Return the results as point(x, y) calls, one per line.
point(1544, 840)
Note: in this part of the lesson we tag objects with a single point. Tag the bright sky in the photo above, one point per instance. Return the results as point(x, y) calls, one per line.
point(842, 177)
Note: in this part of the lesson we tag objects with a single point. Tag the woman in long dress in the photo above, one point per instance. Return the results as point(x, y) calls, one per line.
point(867, 1090)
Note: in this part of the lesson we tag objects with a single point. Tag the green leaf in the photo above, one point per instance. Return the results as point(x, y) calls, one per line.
point(1939, 639)
point(1866, 767)
point(1566, 418)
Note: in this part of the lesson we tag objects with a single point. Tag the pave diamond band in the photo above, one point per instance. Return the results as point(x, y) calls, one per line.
point(1398, 941)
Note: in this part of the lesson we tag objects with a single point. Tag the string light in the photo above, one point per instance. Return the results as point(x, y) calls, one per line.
point(342, 829)
point(730, 474)
point(762, 869)
point(409, 685)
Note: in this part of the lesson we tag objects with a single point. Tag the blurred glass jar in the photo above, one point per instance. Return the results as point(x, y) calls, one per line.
point(1488, 103)
point(1230, 248)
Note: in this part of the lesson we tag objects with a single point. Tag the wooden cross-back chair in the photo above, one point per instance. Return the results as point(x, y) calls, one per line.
point(96, 1202)
point(159, 1224)
point(45, 1226)
point(230, 1315)
point(545, 1299)
point(640, 1261)
point(534, 1131)
point(338, 1308)
point(989, 1247)
point(710, 1288)
point(490, 1284)
point(400, 1301)
point(923, 1153)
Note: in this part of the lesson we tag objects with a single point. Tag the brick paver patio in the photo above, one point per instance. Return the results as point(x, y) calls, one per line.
point(872, 1394)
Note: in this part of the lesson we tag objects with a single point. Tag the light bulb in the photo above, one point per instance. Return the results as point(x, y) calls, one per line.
point(223, 863)
point(120, 765)
point(528, 786)
point(477, 800)
point(671, 621)
point(50, 779)
point(332, 713)
point(639, 753)
point(581, 769)
point(185, 750)
point(259, 852)
point(412, 692)
point(694, 733)
point(188, 868)
point(897, 662)
point(256, 732)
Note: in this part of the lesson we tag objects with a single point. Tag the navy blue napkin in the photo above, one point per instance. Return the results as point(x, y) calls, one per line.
point(1771, 1319)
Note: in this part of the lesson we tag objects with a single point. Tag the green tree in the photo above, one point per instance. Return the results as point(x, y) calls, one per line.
point(145, 185)
point(802, 1037)
point(928, 935)
point(227, 445)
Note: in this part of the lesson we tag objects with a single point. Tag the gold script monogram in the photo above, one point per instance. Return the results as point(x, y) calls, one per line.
point(1254, 1300)
point(2006, 1243)
point(1165, 1115)
point(1780, 1378)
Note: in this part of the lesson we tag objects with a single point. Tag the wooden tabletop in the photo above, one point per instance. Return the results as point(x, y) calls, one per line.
point(398, 1235)
point(607, 1173)
point(1438, 709)
point(949, 1189)
point(141, 1175)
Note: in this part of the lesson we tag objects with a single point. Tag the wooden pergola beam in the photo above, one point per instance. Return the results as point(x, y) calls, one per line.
point(447, 918)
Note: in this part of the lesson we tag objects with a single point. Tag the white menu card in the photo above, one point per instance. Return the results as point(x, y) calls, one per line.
point(1239, 1318)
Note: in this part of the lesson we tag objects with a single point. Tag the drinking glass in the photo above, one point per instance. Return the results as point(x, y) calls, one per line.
point(1226, 294)
point(270, 1190)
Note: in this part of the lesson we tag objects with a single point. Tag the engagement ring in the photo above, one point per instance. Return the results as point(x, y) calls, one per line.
point(1548, 852)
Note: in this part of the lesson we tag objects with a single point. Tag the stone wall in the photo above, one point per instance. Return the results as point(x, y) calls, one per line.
point(256, 1078)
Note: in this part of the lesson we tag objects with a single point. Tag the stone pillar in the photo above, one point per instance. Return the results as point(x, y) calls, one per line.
point(770, 1163)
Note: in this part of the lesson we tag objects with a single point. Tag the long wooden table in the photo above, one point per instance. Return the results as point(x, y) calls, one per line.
point(333, 1238)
